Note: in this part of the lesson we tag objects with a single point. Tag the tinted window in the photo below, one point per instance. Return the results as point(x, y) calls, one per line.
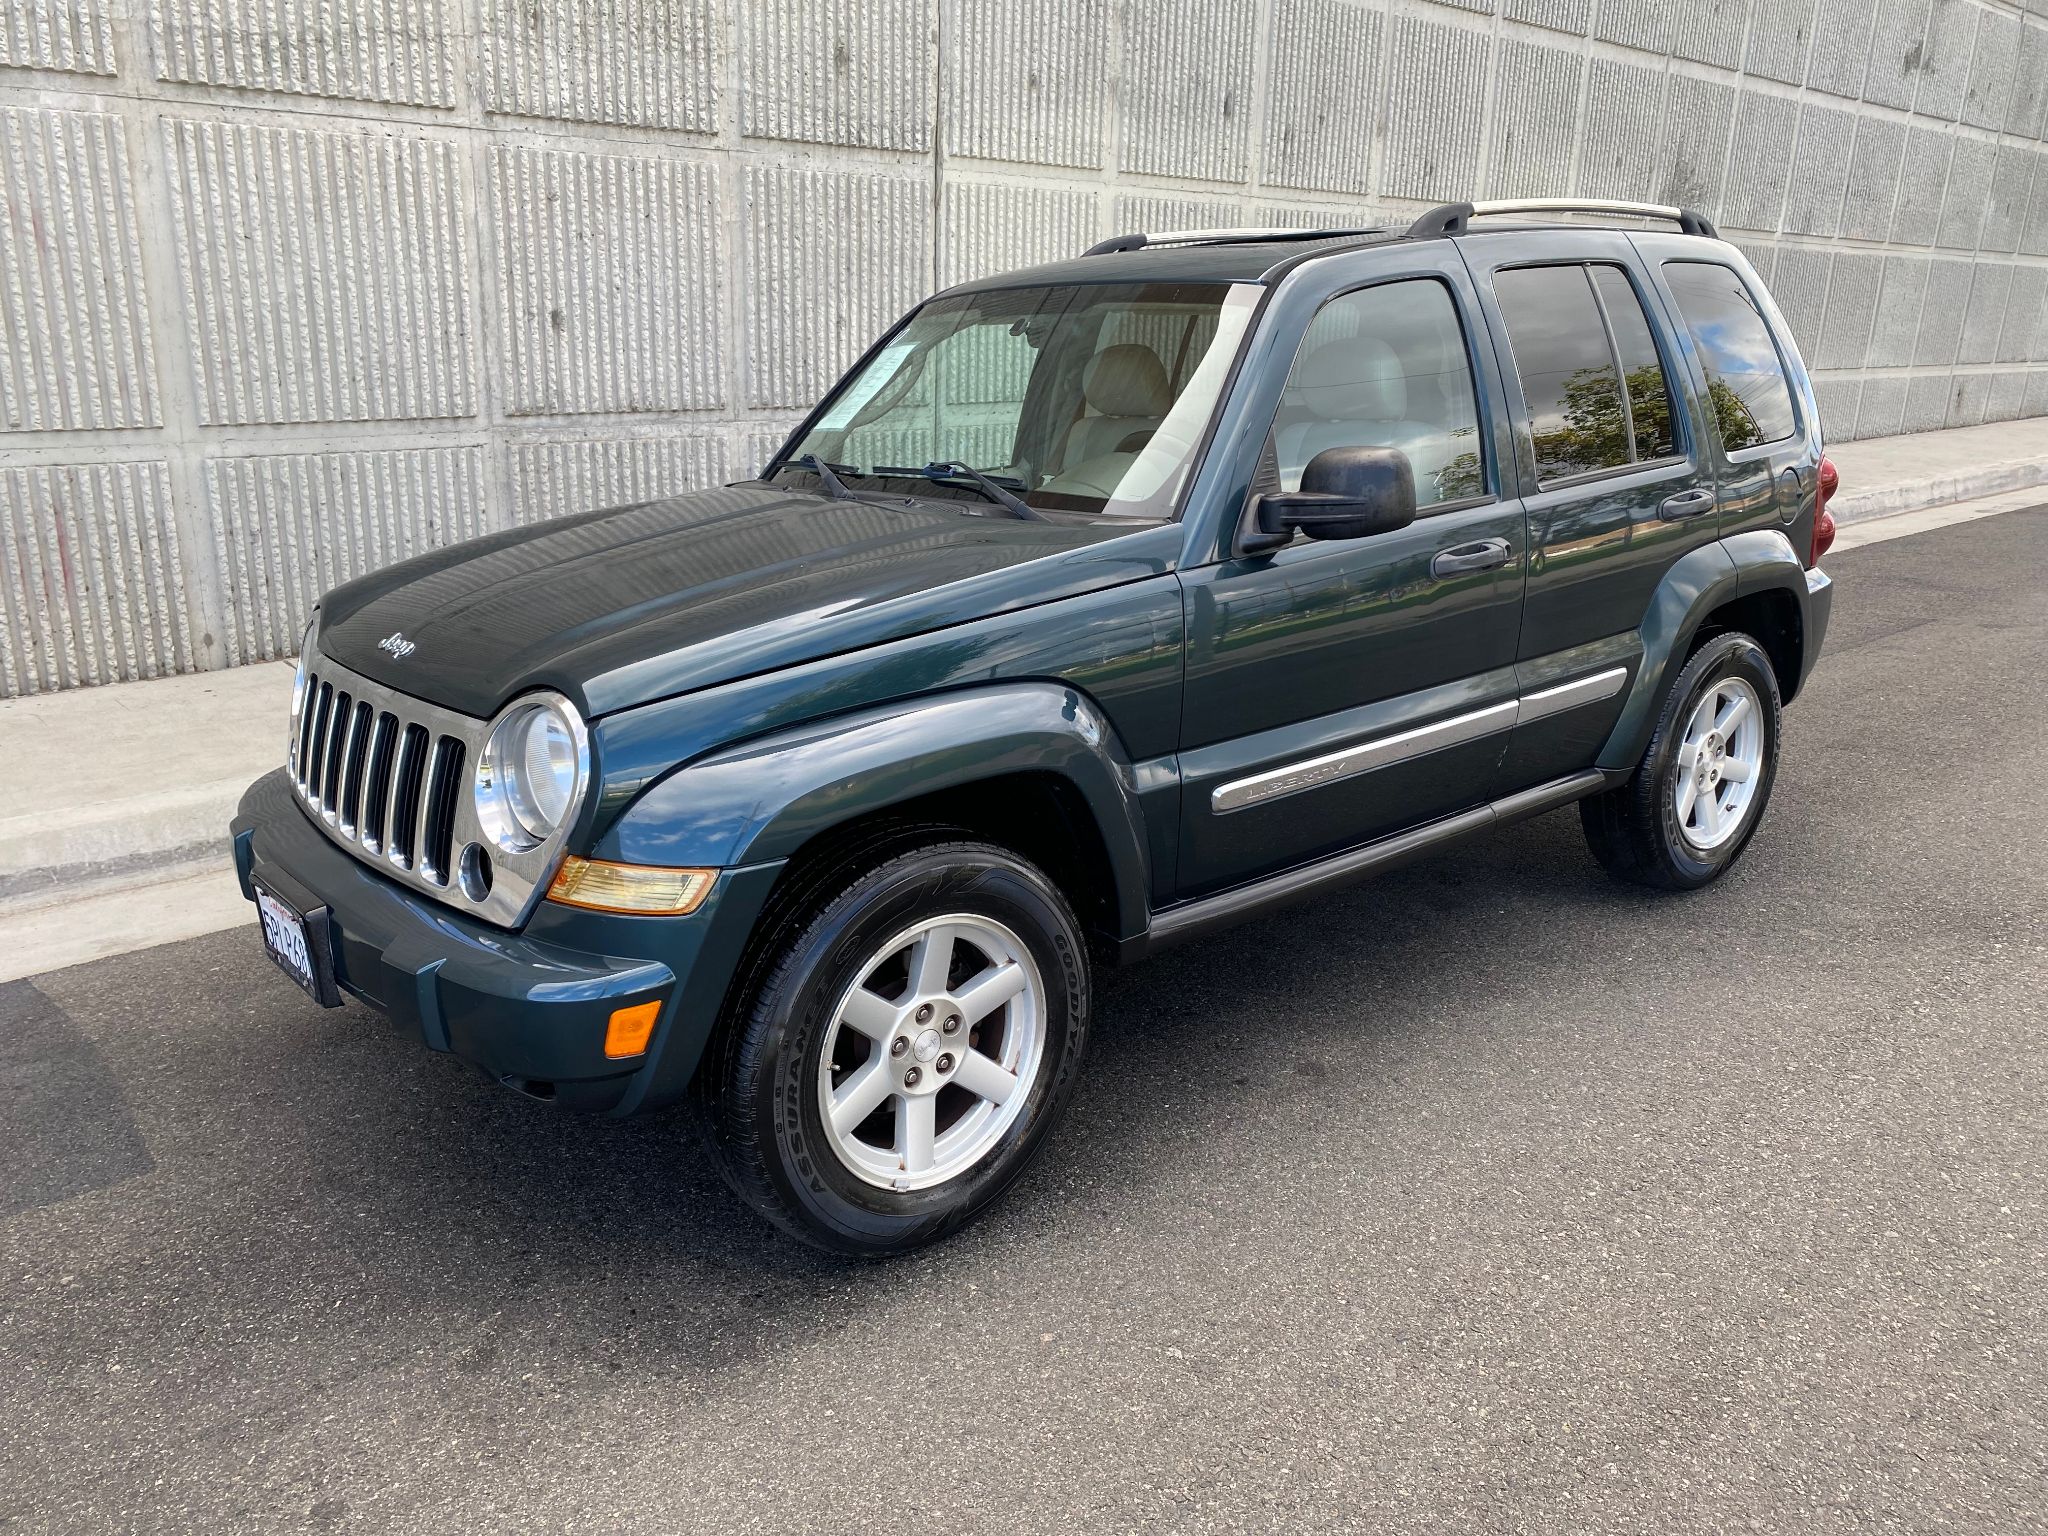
point(1745, 380)
point(1569, 378)
point(1649, 397)
point(1386, 367)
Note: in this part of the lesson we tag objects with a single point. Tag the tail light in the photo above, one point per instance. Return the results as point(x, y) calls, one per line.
point(1823, 519)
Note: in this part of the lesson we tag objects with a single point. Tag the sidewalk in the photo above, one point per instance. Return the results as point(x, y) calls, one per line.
point(114, 802)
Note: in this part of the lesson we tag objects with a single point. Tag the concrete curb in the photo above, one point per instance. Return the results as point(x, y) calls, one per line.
point(1939, 491)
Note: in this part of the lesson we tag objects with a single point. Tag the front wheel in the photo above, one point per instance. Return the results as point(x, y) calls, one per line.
point(908, 1052)
point(1696, 796)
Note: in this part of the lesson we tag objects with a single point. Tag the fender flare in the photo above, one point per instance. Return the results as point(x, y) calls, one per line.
point(1700, 581)
point(759, 802)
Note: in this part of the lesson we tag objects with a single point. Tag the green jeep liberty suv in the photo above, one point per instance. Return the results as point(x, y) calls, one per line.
point(1099, 605)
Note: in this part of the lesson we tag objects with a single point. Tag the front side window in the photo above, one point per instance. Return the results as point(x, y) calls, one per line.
point(1386, 367)
point(1591, 377)
point(1746, 387)
point(1080, 397)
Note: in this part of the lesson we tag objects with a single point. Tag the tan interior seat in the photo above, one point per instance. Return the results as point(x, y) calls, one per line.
point(1126, 388)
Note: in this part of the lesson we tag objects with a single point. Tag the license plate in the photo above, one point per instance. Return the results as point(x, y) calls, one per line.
point(299, 947)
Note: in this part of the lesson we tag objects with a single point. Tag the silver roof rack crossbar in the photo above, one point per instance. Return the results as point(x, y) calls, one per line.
point(1452, 218)
point(1140, 241)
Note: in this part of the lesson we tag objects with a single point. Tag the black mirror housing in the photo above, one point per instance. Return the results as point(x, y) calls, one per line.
point(1346, 493)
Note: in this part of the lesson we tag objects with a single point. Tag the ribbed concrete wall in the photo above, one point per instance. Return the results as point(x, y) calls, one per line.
point(291, 288)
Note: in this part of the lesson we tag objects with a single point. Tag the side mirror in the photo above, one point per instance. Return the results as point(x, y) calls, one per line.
point(1346, 493)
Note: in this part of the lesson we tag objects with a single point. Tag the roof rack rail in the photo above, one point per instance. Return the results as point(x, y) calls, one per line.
point(1454, 218)
point(1139, 241)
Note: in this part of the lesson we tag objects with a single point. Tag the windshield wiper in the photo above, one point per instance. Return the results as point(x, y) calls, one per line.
point(834, 486)
point(950, 471)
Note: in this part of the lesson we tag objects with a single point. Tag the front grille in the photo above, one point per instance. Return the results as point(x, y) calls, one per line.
point(387, 776)
point(380, 781)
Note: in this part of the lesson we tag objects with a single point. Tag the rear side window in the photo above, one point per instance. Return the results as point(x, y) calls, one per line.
point(1642, 371)
point(1745, 378)
point(1589, 369)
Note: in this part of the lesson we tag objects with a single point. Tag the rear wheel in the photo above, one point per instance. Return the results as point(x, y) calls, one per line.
point(906, 1052)
point(1700, 789)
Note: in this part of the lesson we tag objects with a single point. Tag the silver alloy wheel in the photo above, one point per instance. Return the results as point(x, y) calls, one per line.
point(1719, 762)
point(932, 1052)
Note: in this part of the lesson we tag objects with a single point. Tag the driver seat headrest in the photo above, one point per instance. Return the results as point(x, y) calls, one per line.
point(1355, 379)
point(1126, 380)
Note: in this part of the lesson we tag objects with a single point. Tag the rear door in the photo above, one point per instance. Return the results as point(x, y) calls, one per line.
point(1610, 469)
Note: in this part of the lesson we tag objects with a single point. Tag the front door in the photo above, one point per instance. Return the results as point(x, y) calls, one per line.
point(1341, 690)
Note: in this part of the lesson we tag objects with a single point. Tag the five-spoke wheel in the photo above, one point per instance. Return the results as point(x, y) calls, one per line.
point(929, 1054)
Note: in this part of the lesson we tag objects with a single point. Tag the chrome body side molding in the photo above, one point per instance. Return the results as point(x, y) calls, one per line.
point(1383, 751)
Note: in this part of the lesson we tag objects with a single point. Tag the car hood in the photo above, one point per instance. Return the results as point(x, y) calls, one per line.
point(621, 607)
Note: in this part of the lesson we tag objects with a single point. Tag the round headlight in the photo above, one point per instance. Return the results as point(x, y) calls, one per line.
point(299, 677)
point(527, 778)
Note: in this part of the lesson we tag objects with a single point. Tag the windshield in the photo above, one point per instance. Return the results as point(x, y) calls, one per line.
point(1086, 397)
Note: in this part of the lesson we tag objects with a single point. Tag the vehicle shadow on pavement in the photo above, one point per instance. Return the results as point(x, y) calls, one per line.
point(318, 1164)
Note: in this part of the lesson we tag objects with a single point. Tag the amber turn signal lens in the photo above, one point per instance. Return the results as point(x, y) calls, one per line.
point(643, 889)
point(630, 1028)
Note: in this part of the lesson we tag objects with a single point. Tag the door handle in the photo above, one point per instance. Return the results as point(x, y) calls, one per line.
point(1685, 504)
point(1480, 555)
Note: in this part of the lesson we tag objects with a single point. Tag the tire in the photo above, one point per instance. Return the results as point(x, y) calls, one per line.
point(1636, 830)
point(901, 1176)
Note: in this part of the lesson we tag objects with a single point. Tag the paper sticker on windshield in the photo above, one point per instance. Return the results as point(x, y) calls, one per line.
point(866, 387)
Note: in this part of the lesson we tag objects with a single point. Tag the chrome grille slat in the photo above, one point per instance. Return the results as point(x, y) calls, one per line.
point(339, 719)
point(377, 782)
point(404, 816)
point(353, 762)
point(316, 739)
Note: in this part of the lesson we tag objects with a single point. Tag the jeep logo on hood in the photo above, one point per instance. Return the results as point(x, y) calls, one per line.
point(397, 645)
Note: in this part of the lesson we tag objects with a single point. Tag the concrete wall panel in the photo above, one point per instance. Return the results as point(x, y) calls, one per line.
point(1944, 63)
point(1780, 36)
point(326, 273)
point(73, 35)
point(1699, 115)
point(1710, 32)
point(92, 585)
point(75, 352)
point(1188, 87)
point(827, 73)
point(646, 63)
point(357, 50)
point(1624, 123)
point(1051, 54)
point(1897, 45)
point(1873, 178)
point(609, 281)
point(1437, 114)
point(1841, 46)
point(1532, 146)
point(1322, 108)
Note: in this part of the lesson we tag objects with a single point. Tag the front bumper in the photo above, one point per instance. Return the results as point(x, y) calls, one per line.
point(529, 1008)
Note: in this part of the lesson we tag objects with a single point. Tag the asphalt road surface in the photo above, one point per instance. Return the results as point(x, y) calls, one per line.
point(1492, 1196)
